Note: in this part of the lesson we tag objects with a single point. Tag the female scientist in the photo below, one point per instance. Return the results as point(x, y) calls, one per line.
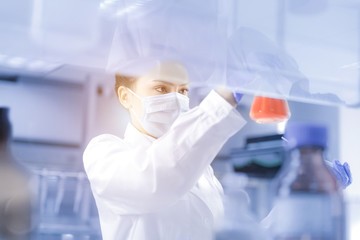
point(157, 183)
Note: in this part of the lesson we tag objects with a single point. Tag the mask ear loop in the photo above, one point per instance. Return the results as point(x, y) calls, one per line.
point(134, 93)
point(133, 112)
point(131, 109)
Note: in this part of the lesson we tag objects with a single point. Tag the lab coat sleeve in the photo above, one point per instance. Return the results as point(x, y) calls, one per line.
point(140, 180)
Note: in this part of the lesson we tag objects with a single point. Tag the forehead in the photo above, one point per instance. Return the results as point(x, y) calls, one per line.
point(166, 83)
point(168, 73)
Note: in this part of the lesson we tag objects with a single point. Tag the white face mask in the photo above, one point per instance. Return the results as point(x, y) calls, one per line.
point(160, 111)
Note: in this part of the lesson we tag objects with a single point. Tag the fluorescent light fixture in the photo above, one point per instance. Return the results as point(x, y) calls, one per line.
point(108, 4)
point(41, 66)
point(36, 64)
point(27, 64)
point(351, 65)
point(16, 62)
point(3, 57)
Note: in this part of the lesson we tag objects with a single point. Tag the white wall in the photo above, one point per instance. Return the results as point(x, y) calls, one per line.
point(105, 115)
point(45, 111)
point(48, 122)
point(350, 152)
point(350, 145)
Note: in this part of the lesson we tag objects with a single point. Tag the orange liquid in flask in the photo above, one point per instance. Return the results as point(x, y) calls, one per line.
point(269, 110)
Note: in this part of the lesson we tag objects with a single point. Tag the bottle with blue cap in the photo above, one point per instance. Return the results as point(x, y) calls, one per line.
point(308, 202)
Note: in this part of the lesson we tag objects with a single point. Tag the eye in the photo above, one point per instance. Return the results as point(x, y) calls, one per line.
point(160, 89)
point(184, 91)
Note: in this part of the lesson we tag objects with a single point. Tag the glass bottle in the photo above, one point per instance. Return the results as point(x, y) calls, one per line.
point(308, 202)
point(16, 219)
point(238, 222)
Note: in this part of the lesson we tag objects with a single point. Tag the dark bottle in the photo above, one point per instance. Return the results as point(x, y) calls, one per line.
point(16, 220)
point(308, 203)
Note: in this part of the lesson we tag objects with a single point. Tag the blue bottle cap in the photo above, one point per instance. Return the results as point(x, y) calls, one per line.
point(305, 134)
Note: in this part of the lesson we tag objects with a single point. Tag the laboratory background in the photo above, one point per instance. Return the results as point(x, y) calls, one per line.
point(57, 65)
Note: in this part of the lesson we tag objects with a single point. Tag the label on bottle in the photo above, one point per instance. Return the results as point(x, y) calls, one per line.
point(316, 216)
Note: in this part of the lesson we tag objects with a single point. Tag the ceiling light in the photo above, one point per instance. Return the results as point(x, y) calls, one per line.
point(16, 62)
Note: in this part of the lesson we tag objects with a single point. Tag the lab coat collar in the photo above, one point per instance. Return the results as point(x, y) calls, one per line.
point(135, 137)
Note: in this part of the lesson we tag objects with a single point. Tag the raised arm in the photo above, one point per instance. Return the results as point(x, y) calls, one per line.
point(144, 179)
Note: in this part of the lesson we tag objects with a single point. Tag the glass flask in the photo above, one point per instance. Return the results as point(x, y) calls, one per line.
point(269, 110)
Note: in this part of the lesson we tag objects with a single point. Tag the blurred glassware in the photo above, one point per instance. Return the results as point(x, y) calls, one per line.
point(16, 198)
point(239, 222)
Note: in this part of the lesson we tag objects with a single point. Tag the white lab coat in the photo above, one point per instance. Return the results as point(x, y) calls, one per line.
point(162, 189)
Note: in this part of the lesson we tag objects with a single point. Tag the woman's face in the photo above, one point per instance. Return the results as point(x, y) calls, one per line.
point(163, 79)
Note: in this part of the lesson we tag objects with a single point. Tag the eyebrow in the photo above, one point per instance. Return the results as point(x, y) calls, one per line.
point(170, 83)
